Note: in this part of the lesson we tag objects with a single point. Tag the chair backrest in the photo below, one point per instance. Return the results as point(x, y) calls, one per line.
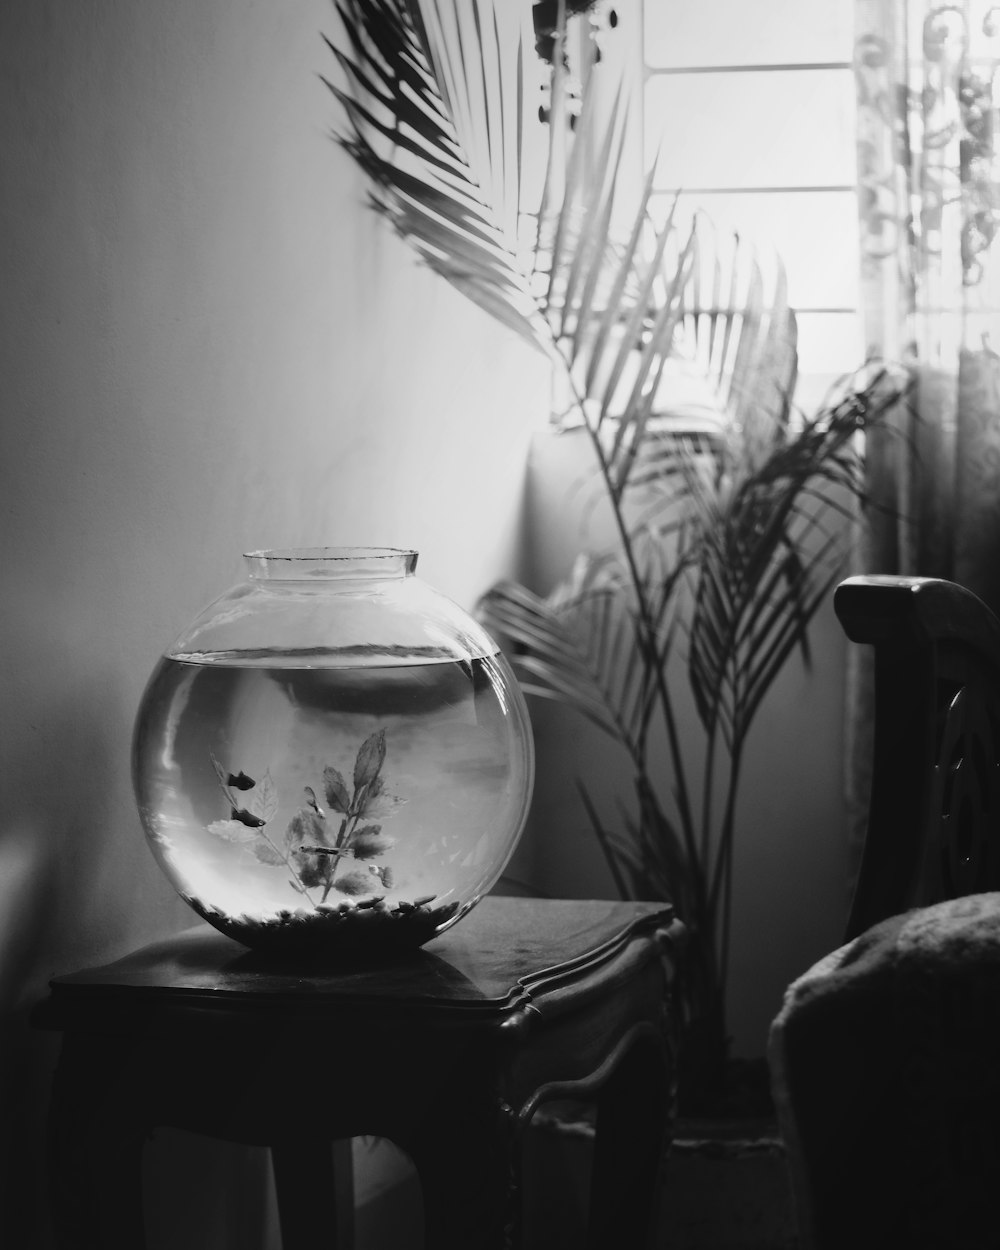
point(934, 812)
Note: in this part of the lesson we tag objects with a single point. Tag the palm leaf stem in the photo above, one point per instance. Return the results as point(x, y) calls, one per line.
point(661, 653)
point(623, 847)
point(708, 672)
point(655, 860)
point(727, 902)
point(664, 868)
point(647, 381)
point(727, 825)
point(635, 323)
point(583, 271)
point(771, 607)
point(614, 298)
point(647, 637)
point(764, 606)
point(745, 570)
point(603, 840)
point(782, 646)
point(708, 785)
point(636, 678)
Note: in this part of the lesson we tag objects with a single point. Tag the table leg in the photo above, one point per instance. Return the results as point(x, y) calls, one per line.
point(632, 1135)
point(313, 1181)
point(469, 1169)
point(94, 1154)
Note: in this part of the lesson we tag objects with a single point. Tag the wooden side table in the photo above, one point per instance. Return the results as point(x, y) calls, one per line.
point(447, 1051)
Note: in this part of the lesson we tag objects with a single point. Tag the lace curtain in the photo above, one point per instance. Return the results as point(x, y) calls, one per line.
point(928, 142)
point(928, 83)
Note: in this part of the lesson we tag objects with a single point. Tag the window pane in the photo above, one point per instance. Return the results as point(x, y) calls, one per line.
point(814, 232)
point(830, 343)
point(789, 128)
point(740, 32)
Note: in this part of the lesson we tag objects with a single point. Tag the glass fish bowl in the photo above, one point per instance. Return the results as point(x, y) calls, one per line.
point(334, 759)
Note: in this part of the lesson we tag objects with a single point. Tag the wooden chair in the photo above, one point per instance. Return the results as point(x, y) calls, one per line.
point(885, 1057)
point(446, 1051)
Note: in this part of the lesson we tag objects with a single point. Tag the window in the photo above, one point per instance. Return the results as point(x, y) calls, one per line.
point(751, 106)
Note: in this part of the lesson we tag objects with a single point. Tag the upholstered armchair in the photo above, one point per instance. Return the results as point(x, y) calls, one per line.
point(885, 1057)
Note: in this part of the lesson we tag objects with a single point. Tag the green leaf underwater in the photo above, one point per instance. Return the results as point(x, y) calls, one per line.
point(369, 842)
point(335, 788)
point(355, 883)
point(371, 756)
point(313, 847)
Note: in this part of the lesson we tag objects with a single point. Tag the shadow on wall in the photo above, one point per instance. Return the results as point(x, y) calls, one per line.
point(58, 879)
point(26, 1058)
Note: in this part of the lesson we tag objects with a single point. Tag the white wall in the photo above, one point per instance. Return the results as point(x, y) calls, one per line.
point(206, 345)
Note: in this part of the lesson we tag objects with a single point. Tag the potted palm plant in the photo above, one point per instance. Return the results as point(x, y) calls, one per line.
point(725, 516)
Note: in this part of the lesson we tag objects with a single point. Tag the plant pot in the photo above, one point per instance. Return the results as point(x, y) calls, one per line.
point(333, 759)
point(726, 1187)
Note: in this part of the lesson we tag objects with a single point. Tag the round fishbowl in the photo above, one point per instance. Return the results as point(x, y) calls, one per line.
point(334, 759)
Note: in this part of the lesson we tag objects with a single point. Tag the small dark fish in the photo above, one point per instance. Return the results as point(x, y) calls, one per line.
point(240, 781)
point(246, 818)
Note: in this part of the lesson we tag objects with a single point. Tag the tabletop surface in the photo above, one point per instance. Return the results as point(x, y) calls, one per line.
point(505, 947)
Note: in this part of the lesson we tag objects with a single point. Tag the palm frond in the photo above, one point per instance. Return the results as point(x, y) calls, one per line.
point(678, 349)
point(435, 104)
point(429, 122)
point(766, 564)
point(578, 646)
point(785, 631)
point(582, 232)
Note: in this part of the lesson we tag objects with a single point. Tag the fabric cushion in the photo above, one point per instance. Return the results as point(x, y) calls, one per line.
point(885, 1062)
